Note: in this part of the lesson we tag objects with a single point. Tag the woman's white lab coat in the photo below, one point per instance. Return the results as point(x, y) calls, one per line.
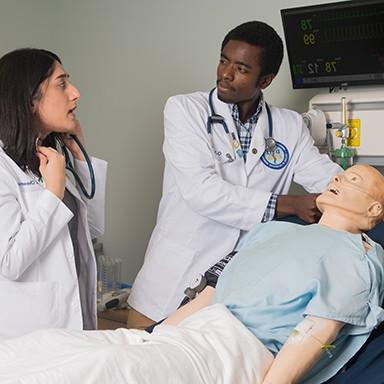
point(39, 287)
point(207, 200)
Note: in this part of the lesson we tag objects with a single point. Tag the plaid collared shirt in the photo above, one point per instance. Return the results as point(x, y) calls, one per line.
point(270, 211)
point(245, 132)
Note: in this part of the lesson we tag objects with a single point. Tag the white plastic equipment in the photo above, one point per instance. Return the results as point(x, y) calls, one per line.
point(364, 117)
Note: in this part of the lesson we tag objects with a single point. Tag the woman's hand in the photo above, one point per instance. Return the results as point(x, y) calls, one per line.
point(52, 169)
point(71, 144)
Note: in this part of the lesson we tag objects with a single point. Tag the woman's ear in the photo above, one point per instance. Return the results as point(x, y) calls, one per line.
point(34, 103)
point(36, 99)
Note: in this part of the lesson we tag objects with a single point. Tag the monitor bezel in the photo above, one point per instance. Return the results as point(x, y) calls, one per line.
point(324, 7)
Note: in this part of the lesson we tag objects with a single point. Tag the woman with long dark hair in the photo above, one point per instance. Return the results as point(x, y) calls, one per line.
point(47, 264)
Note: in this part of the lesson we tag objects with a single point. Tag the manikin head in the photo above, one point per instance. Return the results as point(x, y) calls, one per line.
point(353, 200)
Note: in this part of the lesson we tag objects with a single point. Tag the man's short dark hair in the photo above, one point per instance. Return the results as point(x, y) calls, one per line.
point(261, 35)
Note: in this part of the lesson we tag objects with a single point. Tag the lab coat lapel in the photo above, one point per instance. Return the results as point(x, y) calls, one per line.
point(72, 187)
point(220, 139)
point(257, 147)
point(224, 110)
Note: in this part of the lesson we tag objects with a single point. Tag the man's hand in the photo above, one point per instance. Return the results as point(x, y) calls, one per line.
point(303, 206)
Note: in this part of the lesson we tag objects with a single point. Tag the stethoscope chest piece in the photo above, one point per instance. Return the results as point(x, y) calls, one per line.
point(270, 144)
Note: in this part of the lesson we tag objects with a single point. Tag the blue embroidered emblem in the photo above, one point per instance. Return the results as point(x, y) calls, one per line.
point(276, 159)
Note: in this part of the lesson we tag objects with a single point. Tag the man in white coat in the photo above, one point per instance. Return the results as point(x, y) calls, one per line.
point(221, 179)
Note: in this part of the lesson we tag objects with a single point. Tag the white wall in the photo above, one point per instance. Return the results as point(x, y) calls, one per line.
point(127, 57)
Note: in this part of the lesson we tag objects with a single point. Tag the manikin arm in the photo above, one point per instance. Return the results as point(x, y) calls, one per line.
point(202, 300)
point(309, 340)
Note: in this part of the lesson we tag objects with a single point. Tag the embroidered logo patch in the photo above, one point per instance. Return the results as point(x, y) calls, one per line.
point(276, 159)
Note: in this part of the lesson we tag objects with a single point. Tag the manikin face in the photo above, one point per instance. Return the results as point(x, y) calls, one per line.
point(356, 194)
point(239, 77)
point(56, 105)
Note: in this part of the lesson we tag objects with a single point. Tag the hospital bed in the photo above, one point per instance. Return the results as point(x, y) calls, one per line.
point(211, 347)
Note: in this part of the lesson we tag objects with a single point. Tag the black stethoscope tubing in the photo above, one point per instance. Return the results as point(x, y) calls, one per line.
point(216, 118)
point(69, 166)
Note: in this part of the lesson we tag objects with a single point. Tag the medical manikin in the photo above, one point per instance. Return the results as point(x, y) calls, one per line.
point(279, 313)
point(352, 203)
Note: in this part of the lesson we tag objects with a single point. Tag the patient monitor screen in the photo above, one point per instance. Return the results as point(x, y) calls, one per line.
point(335, 44)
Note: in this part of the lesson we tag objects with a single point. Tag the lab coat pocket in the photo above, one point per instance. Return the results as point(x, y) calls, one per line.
point(230, 168)
point(27, 306)
point(30, 194)
point(174, 260)
point(176, 254)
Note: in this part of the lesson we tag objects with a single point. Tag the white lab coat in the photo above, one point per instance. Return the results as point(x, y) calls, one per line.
point(207, 200)
point(39, 287)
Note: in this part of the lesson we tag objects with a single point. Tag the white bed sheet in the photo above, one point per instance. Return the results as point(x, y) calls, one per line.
point(210, 347)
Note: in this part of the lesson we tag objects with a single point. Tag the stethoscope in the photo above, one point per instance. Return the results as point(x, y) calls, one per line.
point(69, 166)
point(270, 142)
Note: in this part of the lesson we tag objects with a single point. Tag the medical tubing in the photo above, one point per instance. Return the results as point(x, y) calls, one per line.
point(70, 168)
point(270, 122)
